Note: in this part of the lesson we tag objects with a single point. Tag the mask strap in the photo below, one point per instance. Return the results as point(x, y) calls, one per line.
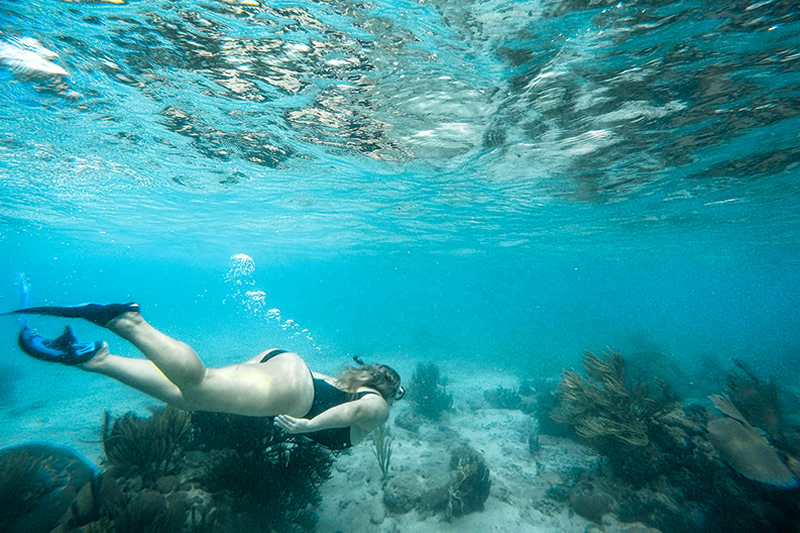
point(400, 391)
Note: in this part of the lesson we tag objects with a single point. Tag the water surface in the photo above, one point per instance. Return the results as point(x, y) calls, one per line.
point(508, 182)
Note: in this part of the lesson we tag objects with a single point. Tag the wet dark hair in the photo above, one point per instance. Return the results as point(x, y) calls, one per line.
point(382, 378)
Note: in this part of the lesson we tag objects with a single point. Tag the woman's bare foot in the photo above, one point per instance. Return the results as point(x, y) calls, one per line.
point(124, 324)
point(93, 364)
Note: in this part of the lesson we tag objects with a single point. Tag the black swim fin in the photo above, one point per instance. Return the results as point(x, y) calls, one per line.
point(100, 314)
point(65, 349)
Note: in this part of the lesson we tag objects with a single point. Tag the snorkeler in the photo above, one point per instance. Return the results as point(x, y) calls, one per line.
point(334, 412)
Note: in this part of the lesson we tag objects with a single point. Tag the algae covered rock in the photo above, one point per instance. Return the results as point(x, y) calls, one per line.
point(402, 493)
point(470, 485)
point(38, 483)
point(426, 492)
point(459, 489)
point(591, 501)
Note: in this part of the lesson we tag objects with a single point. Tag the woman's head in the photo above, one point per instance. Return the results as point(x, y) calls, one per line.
point(382, 378)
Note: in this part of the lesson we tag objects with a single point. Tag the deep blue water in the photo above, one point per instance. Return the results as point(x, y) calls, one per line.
point(508, 181)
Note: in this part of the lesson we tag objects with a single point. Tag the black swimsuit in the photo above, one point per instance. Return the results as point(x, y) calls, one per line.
point(325, 397)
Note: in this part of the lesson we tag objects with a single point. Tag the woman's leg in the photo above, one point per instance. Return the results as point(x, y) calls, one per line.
point(177, 360)
point(140, 374)
point(175, 374)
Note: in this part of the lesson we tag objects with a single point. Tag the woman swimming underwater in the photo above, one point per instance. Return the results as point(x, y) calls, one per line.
point(335, 412)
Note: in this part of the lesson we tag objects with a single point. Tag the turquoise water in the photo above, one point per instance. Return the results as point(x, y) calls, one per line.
point(495, 185)
point(509, 182)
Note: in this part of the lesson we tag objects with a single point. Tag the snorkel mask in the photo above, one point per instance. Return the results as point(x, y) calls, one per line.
point(400, 393)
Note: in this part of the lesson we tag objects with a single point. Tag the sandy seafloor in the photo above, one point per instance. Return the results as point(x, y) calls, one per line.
point(69, 411)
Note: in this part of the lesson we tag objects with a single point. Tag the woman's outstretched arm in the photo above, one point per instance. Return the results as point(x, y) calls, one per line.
point(367, 414)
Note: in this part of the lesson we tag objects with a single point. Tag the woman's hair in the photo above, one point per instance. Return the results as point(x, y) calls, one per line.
point(382, 378)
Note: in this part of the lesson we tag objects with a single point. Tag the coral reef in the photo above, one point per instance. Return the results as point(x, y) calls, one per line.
point(471, 484)
point(744, 448)
point(667, 465)
point(20, 485)
point(235, 474)
point(262, 473)
point(461, 489)
point(428, 392)
point(145, 444)
point(602, 409)
point(757, 399)
point(382, 442)
point(522, 398)
point(38, 484)
point(592, 498)
point(546, 402)
point(148, 511)
point(406, 491)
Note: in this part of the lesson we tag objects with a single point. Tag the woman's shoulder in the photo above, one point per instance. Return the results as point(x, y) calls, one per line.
point(373, 409)
point(370, 397)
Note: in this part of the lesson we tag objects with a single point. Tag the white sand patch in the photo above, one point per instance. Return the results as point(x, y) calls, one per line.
point(518, 501)
point(353, 499)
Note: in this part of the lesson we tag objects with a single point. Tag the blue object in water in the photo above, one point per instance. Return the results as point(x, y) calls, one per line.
point(65, 349)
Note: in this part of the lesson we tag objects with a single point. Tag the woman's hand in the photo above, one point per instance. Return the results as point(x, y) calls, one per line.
point(293, 425)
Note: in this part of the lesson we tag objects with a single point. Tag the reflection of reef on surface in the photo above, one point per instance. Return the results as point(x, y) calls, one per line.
point(674, 467)
point(171, 472)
